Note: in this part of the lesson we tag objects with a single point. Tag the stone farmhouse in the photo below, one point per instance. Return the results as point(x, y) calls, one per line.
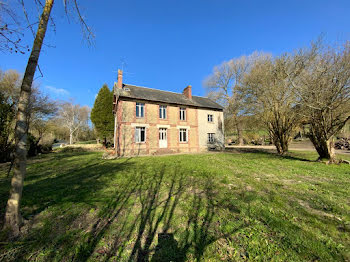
point(150, 121)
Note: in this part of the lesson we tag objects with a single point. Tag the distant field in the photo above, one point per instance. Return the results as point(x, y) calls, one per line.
point(211, 207)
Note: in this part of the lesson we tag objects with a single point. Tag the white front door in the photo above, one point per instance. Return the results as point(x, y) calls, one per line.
point(163, 142)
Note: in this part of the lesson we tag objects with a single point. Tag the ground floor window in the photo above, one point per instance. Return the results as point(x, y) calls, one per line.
point(140, 134)
point(162, 133)
point(183, 135)
point(211, 137)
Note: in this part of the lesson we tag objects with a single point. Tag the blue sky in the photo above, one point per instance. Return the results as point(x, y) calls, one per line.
point(170, 44)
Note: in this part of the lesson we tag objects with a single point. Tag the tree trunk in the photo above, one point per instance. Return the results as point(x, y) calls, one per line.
point(324, 148)
point(281, 143)
point(13, 219)
point(71, 138)
point(240, 134)
point(282, 148)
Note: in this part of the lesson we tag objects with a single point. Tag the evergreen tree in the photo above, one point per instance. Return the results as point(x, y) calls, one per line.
point(102, 114)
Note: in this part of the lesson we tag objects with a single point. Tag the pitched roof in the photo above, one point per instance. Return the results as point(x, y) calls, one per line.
point(145, 93)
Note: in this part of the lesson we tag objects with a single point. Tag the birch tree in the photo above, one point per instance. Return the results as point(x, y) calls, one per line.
point(74, 117)
point(13, 219)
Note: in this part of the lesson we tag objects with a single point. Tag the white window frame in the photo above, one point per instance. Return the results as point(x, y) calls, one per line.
point(182, 114)
point(163, 133)
point(183, 131)
point(210, 118)
point(211, 138)
point(162, 112)
point(141, 107)
point(138, 130)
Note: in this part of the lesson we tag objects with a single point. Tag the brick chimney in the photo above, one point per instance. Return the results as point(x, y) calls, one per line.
point(120, 79)
point(188, 92)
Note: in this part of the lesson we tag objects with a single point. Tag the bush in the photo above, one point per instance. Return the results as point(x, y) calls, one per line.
point(34, 148)
point(45, 148)
point(251, 138)
point(6, 154)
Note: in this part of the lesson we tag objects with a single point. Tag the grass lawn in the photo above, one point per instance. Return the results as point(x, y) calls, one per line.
point(210, 207)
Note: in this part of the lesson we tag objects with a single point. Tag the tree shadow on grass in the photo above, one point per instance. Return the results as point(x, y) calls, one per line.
point(48, 182)
point(121, 211)
point(52, 202)
point(155, 211)
point(266, 152)
point(160, 217)
point(106, 210)
point(78, 185)
point(107, 216)
point(167, 203)
point(154, 196)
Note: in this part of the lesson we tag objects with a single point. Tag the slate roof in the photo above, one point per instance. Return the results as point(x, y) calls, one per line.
point(149, 94)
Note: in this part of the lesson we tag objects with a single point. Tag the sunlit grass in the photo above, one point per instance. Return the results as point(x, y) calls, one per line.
point(216, 207)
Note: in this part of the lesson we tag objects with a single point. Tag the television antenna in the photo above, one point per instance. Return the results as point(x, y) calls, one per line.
point(123, 66)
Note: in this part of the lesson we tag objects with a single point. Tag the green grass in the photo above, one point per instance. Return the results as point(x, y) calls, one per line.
point(212, 207)
point(89, 142)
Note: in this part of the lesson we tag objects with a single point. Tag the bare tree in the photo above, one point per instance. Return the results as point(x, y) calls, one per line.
point(224, 85)
point(74, 117)
point(40, 107)
point(271, 94)
point(13, 219)
point(11, 31)
point(9, 86)
point(324, 96)
point(10, 83)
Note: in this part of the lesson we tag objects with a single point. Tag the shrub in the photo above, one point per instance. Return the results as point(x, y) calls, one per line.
point(34, 148)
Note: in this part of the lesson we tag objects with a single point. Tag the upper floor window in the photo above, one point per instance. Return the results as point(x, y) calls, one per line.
point(211, 137)
point(183, 135)
point(140, 110)
point(182, 114)
point(210, 118)
point(162, 112)
point(140, 134)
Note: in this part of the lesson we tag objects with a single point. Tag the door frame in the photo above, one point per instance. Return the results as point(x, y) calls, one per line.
point(165, 141)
